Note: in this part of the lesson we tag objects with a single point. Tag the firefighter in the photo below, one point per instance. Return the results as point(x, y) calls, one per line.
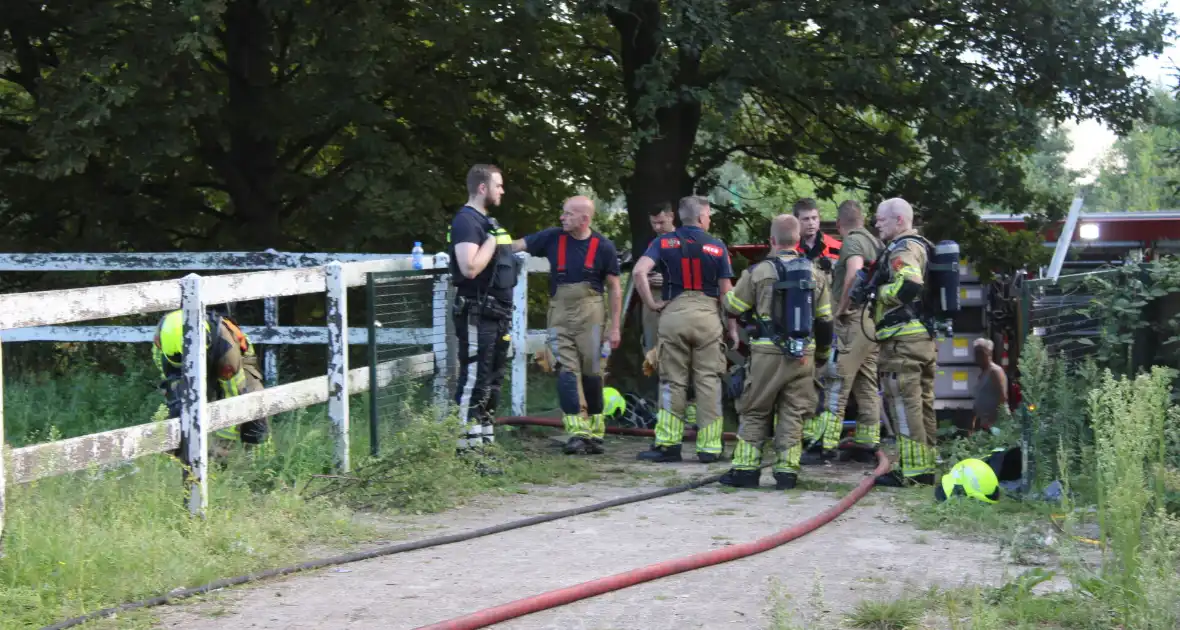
point(907, 350)
point(823, 251)
point(582, 264)
point(233, 366)
point(484, 272)
point(788, 305)
point(853, 370)
point(662, 219)
point(697, 274)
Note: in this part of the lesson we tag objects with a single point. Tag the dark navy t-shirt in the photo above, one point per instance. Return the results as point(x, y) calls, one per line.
point(702, 273)
point(547, 243)
point(471, 226)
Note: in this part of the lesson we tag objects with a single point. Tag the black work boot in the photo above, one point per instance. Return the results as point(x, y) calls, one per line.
point(576, 446)
point(785, 480)
point(661, 454)
point(817, 458)
point(707, 458)
point(740, 478)
point(863, 454)
point(595, 446)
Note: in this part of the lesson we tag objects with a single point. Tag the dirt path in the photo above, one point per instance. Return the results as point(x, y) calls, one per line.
point(868, 553)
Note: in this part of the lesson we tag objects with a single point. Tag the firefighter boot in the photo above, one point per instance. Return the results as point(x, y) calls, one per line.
point(741, 478)
point(662, 454)
point(577, 446)
point(595, 446)
point(785, 480)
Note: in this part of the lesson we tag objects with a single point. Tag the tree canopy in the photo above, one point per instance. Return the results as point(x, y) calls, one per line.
point(219, 124)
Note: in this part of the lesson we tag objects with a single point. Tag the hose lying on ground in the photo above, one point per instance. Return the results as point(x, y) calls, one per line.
point(186, 593)
point(552, 599)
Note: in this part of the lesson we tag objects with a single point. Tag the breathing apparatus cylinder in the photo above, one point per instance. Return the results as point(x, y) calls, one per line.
point(793, 305)
point(944, 276)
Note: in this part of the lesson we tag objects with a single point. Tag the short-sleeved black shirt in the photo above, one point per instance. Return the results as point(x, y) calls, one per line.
point(547, 243)
point(471, 226)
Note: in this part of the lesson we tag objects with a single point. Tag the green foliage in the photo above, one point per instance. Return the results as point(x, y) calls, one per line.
point(1139, 173)
point(1123, 299)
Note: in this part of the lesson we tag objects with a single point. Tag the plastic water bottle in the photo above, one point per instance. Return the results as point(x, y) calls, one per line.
point(416, 253)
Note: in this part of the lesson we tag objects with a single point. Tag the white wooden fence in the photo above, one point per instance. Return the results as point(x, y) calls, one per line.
point(40, 316)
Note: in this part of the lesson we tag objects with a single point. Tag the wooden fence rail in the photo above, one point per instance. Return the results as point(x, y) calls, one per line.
point(44, 315)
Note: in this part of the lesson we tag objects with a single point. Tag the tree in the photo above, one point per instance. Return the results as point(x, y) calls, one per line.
point(287, 124)
point(1137, 173)
point(938, 102)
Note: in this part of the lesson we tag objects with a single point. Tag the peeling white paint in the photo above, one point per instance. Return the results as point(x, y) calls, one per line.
point(520, 337)
point(338, 361)
point(194, 414)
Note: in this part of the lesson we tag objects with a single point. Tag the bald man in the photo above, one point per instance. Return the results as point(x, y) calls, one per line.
point(582, 263)
point(907, 349)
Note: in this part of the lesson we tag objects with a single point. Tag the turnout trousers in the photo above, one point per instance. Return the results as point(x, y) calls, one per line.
point(483, 338)
point(691, 353)
point(780, 387)
point(651, 332)
point(907, 373)
point(853, 372)
point(577, 317)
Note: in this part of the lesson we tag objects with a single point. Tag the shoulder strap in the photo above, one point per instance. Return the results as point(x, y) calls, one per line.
point(561, 243)
point(591, 252)
point(690, 266)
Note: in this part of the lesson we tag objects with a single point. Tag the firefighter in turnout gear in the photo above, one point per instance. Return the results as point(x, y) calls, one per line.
point(233, 368)
point(662, 220)
point(697, 274)
point(484, 272)
point(787, 304)
point(583, 264)
point(853, 371)
point(823, 251)
point(907, 359)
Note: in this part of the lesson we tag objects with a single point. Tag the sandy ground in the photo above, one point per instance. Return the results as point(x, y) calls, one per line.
point(868, 553)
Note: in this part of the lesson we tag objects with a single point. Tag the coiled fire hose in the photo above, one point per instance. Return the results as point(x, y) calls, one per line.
point(553, 599)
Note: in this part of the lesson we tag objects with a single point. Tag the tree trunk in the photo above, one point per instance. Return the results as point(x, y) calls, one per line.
point(661, 173)
point(250, 166)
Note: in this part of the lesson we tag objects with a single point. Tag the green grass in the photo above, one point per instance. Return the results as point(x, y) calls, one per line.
point(97, 538)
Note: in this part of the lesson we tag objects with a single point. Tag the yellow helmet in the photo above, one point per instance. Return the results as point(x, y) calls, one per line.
point(170, 336)
point(970, 477)
point(613, 402)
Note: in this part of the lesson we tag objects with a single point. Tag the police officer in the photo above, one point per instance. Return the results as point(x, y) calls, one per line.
point(907, 359)
point(233, 367)
point(697, 273)
point(854, 370)
point(484, 272)
point(582, 263)
point(780, 381)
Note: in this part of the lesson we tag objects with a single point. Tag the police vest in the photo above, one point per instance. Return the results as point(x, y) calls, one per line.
point(502, 272)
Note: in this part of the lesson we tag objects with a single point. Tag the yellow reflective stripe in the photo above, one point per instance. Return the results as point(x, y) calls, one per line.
point(734, 304)
point(825, 310)
point(233, 385)
point(911, 327)
point(889, 291)
point(503, 239)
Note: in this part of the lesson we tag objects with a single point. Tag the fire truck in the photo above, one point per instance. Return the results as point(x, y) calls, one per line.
point(992, 310)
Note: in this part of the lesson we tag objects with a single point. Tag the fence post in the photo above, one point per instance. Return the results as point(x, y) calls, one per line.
point(270, 352)
point(3, 451)
point(338, 360)
point(194, 410)
point(520, 337)
point(1024, 326)
point(439, 334)
point(374, 416)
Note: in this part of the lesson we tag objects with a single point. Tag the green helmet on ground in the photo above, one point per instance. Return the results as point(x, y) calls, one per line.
point(972, 478)
point(613, 402)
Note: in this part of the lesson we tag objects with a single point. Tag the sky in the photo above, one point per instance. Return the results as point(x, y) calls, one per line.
point(1090, 138)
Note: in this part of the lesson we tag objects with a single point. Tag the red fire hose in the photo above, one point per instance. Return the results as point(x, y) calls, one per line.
point(552, 599)
point(556, 422)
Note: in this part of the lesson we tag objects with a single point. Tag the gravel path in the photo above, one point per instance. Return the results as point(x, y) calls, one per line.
point(868, 553)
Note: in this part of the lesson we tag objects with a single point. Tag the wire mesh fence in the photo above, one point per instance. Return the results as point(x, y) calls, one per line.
point(1060, 313)
point(409, 329)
